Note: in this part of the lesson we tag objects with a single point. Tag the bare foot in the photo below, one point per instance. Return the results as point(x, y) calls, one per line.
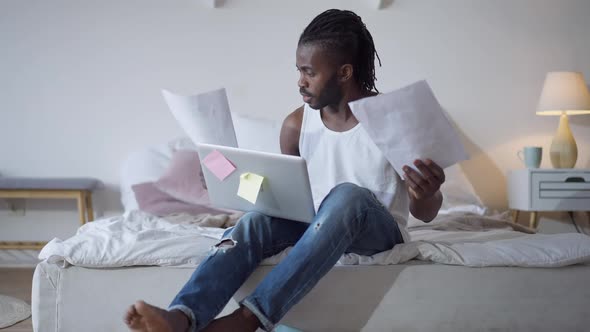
point(143, 317)
point(242, 320)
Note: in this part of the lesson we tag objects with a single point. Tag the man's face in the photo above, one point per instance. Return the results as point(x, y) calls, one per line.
point(318, 77)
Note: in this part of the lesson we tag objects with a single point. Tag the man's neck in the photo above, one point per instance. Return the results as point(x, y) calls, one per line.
point(339, 117)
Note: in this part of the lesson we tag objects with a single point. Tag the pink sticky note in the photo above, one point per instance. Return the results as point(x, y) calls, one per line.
point(219, 165)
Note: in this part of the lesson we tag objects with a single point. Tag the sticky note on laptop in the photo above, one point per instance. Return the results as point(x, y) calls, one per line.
point(219, 165)
point(250, 185)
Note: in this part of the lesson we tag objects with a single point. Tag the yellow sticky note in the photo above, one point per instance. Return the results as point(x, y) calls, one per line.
point(250, 185)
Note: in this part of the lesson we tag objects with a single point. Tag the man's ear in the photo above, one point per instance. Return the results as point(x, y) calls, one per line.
point(345, 73)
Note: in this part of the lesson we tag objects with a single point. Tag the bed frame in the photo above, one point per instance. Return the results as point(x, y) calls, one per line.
point(415, 296)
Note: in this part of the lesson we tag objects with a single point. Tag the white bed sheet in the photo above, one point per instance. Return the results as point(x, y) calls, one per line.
point(138, 238)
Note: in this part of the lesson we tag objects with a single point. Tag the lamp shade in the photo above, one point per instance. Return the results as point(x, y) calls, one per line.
point(564, 92)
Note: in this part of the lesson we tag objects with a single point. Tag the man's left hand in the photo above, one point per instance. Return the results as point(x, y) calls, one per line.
point(427, 184)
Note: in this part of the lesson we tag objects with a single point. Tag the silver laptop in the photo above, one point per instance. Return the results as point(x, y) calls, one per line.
point(285, 191)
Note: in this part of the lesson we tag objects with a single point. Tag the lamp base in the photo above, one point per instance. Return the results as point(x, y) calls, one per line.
point(564, 151)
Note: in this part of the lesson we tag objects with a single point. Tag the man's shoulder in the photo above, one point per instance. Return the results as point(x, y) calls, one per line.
point(291, 131)
point(294, 119)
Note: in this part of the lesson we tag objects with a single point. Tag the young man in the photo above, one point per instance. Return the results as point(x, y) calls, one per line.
point(362, 202)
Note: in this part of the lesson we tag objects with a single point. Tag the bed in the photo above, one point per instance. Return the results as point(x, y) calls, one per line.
point(414, 296)
point(433, 284)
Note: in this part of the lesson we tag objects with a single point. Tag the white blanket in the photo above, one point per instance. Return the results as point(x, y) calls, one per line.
point(138, 238)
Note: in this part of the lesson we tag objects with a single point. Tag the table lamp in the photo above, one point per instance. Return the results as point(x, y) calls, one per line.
point(563, 94)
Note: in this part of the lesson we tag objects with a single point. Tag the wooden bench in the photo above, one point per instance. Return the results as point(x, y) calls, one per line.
point(49, 188)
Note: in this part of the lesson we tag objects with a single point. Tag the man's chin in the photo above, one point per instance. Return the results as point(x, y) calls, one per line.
point(315, 106)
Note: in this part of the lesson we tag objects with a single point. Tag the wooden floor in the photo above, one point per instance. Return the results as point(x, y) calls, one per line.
point(17, 283)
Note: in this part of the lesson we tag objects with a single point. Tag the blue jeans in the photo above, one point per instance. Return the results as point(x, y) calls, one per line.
point(350, 219)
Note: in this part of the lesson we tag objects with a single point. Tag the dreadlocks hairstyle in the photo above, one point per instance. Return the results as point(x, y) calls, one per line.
point(344, 33)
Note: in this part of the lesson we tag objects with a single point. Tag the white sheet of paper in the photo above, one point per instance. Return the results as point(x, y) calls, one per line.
point(205, 117)
point(409, 124)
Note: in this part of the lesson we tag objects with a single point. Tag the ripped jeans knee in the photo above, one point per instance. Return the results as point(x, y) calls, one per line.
point(223, 245)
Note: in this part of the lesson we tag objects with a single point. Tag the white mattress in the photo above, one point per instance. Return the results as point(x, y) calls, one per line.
point(415, 296)
point(138, 238)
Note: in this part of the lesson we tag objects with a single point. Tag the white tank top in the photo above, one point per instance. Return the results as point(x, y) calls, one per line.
point(351, 156)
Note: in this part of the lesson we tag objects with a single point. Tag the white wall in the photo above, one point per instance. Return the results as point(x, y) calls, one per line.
point(80, 80)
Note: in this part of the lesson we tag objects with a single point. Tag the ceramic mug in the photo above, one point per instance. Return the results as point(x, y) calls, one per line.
point(531, 156)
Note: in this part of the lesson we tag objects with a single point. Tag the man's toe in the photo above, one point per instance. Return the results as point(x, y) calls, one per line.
point(132, 317)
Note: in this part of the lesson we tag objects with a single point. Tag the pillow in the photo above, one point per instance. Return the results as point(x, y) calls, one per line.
point(182, 179)
point(458, 197)
point(152, 200)
point(149, 164)
point(252, 133)
point(142, 166)
point(178, 190)
point(257, 134)
point(458, 193)
point(182, 143)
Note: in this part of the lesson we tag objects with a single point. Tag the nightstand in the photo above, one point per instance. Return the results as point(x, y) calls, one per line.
point(536, 190)
point(79, 189)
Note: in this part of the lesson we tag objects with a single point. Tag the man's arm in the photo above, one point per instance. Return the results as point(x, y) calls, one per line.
point(290, 132)
point(424, 189)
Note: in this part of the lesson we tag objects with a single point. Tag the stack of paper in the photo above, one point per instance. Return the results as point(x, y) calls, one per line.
point(205, 117)
point(409, 124)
